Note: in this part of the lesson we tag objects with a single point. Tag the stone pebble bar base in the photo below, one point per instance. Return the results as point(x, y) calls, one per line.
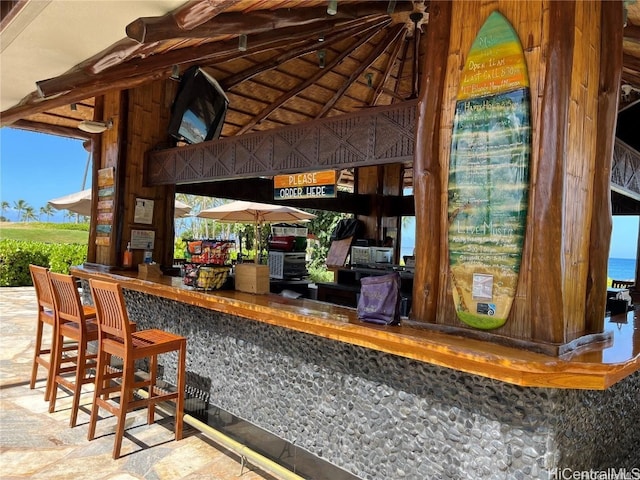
point(381, 416)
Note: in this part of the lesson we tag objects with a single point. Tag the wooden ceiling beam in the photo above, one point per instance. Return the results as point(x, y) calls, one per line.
point(196, 12)
point(9, 11)
point(156, 29)
point(329, 39)
point(631, 78)
point(310, 81)
point(155, 66)
point(415, 84)
point(401, 71)
point(393, 57)
point(375, 53)
point(631, 32)
point(118, 53)
point(58, 130)
point(630, 62)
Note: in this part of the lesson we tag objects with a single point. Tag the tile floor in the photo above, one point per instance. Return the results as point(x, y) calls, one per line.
point(37, 445)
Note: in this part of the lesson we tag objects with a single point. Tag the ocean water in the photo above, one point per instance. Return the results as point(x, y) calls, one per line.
point(622, 268)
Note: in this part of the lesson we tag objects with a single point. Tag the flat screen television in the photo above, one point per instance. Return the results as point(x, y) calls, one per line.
point(199, 109)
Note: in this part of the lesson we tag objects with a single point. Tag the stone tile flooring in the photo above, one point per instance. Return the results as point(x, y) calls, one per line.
point(37, 445)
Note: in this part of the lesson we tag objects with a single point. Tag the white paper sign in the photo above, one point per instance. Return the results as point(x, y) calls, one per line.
point(142, 239)
point(144, 211)
point(482, 286)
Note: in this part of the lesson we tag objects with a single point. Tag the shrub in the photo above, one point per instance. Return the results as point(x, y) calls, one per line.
point(15, 257)
point(320, 274)
point(62, 256)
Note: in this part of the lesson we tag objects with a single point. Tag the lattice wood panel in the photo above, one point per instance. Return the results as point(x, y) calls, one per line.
point(371, 137)
point(625, 172)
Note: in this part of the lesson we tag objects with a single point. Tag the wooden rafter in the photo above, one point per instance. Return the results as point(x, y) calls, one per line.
point(393, 57)
point(51, 129)
point(404, 65)
point(145, 30)
point(330, 39)
point(415, 83)
point(632, 32)
point(375, 53)
point(629, 61)
point(293, 92)
point(196, 12)
point(160, 65)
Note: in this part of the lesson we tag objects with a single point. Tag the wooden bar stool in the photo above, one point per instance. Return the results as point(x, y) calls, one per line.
point(118, 338)
point(44, 296)
point(78, 323)
point(46, 316)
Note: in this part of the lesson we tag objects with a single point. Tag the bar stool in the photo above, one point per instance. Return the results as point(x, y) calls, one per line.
point(117, 338)
point(78, 323)
point(46, 316)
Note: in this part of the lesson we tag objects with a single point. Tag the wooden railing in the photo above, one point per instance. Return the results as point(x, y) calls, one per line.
point(625, 171)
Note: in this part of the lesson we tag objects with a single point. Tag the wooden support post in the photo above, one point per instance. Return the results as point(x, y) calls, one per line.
point(574, 70)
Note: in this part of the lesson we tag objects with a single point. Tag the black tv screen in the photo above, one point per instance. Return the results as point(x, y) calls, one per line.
point(199, 108)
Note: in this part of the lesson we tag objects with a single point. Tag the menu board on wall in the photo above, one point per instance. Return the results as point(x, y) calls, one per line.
point(106, 194)
point(489, 176)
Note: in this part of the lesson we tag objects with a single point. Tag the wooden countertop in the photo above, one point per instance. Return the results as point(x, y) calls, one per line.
point(596, 366)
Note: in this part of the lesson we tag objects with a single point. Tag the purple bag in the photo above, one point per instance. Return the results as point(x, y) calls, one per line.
point(379, 300)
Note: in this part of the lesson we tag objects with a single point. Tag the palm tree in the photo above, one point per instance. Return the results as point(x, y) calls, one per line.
point(20, 205)
point(29, 213)
point(5, 206)
point(47, 211)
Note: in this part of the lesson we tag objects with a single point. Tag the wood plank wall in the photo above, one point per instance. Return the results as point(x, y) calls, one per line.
point(562, 44)
point(111, 156)
point(140, 117)
point(149, 108)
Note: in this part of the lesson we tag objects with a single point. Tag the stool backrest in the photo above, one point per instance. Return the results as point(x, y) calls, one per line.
point(66, 298)
point(42, 284)
point(111, 310)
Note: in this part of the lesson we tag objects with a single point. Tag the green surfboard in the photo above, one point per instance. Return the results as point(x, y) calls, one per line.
point(489, 176)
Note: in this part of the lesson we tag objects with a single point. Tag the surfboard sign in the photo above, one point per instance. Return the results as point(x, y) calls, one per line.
point(488, 185)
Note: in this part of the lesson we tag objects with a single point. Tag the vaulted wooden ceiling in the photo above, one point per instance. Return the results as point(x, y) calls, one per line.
point(373, 51)
point(300, 62)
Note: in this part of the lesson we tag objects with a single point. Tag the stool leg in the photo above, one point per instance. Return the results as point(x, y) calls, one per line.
point(97, 392)
point(153, 372)
point(51, 372)
point(36, 354)
point(105, 383)
point(125, 391)
point(55, 366)
point(181, 381)
point(80, 374)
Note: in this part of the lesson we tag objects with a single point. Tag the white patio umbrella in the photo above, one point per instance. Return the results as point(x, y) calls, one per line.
point(80, 203)
point(256, 213)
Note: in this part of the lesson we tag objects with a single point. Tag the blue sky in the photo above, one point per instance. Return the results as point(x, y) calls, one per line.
point(37, 168)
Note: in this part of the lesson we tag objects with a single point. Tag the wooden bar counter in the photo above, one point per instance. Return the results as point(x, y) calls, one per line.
point(595, 367)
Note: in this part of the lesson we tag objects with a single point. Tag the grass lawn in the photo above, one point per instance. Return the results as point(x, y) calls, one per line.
point(39, 232)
